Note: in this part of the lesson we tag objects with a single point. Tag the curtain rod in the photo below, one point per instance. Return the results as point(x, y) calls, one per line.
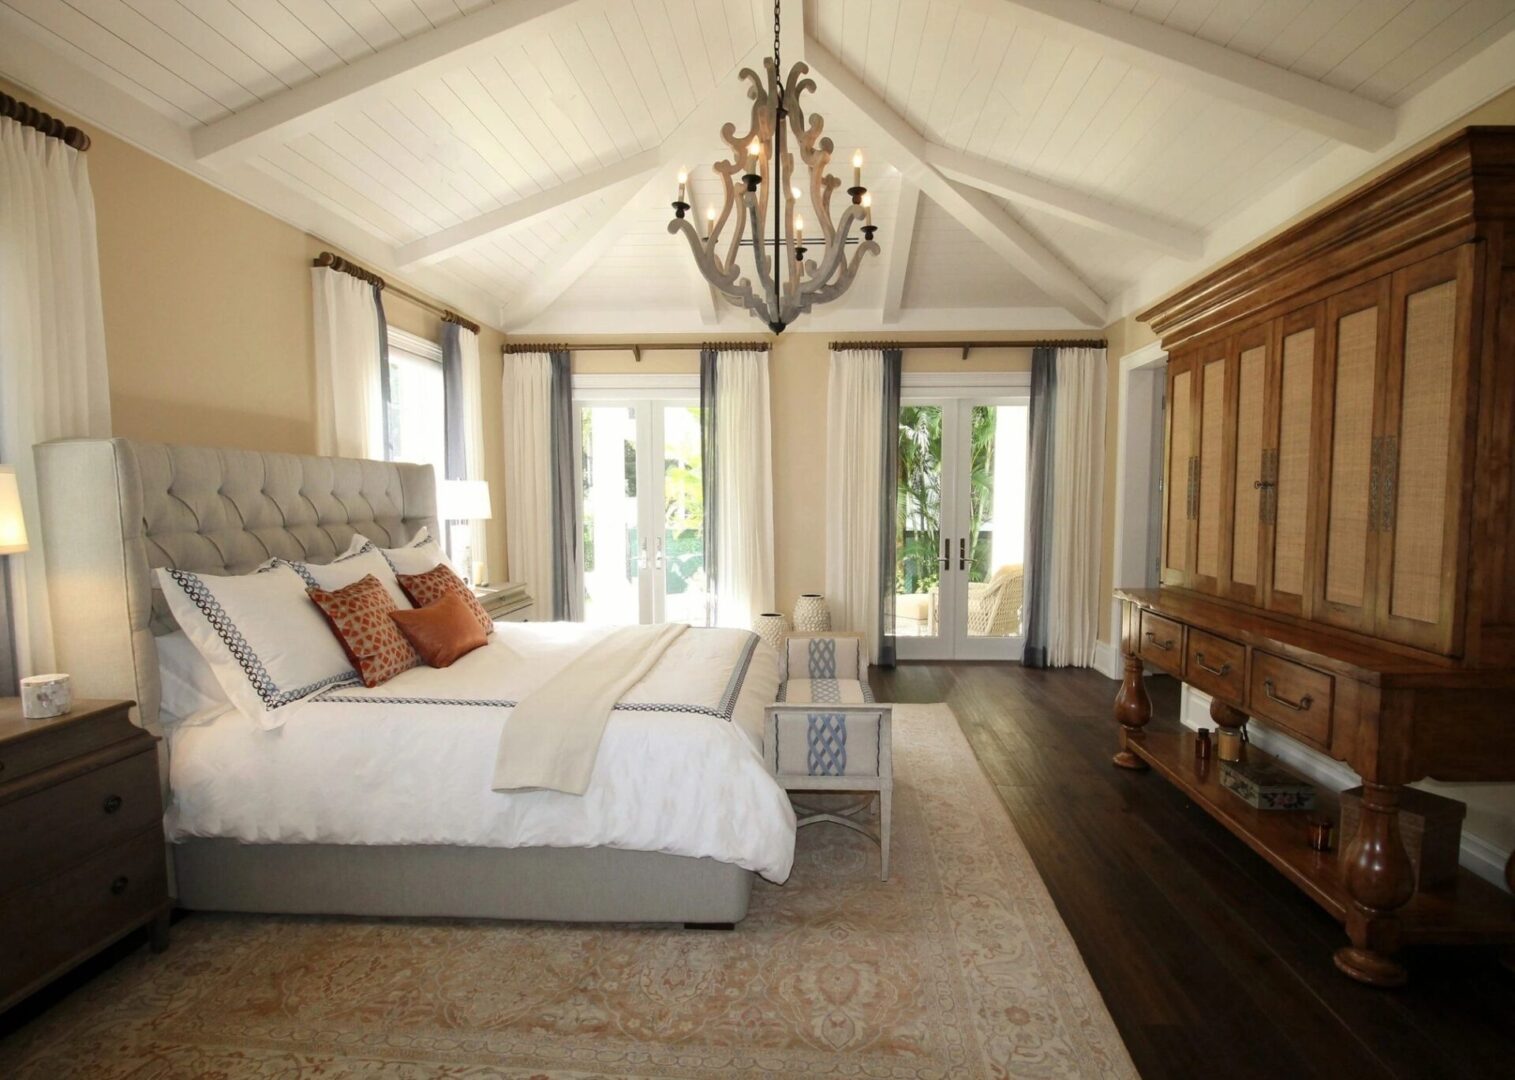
point(33, 117)
point(636, 348)
point(347, 266)
point(1039, 343)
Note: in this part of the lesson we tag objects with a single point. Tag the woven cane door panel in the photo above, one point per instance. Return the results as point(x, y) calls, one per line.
point(1354, 395)
point(1176, 488)
point(1211, 474)
point(1250, 467)
point(1291, 494)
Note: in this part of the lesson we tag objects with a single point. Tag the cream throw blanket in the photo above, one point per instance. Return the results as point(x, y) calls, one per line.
point(553, 737)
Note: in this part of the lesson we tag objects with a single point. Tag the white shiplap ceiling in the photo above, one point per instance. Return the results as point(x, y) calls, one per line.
point(518, 157)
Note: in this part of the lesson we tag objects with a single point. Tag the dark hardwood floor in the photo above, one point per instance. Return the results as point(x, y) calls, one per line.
point(1212, 964)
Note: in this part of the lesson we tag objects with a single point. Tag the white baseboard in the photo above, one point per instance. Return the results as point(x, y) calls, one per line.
point(1107, 660)
point(1476, 853)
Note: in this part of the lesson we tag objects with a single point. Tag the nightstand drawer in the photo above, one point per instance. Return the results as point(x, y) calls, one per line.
point(53, 924)
point(50, 830)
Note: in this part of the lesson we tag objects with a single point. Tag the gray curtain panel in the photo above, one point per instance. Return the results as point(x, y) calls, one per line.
point(390, 437)
point(452, 403)
point(1040, 462)
point(708, 376)
point(567, 593)
point(889, 453)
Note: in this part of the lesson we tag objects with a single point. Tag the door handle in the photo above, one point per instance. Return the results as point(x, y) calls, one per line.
point(642, 558)
point(962, 553)
point(945, 558)
point(657, 560)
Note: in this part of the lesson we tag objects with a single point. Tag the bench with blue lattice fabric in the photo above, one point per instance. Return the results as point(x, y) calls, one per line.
point(826, 733)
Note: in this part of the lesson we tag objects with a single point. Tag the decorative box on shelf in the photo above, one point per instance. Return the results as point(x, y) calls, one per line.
point(1266, 786)
point(1430, 826)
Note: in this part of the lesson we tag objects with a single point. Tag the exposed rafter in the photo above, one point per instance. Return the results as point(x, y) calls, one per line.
point(898, 250)
point(451, 240)
point(907, 149)
point(292, 112)
point(1217, 70)
point(1019, 187)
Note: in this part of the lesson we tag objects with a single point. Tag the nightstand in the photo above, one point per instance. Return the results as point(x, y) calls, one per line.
point(506, 602)
point(81, 840)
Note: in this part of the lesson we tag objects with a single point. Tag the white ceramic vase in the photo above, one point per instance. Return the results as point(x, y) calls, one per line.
point(772, 627)
point(811, 615)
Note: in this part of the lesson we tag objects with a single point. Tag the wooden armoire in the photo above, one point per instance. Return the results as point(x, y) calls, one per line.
point(1338, 551)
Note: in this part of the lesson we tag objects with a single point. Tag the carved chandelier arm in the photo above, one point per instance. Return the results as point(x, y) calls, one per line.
point(724, 280)
point(827, 293)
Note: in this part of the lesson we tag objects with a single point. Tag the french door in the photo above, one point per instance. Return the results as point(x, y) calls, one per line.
point(960, 520)
point(642, 503)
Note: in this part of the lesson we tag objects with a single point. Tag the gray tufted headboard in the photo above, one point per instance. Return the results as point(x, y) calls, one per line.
point(115, 509)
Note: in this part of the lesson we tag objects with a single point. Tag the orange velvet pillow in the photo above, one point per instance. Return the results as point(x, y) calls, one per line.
point(441, 631)
point(359, 617)
point(425, 589)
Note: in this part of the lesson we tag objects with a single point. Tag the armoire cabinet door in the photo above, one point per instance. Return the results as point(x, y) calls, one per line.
point(1422, 453)
point(1211, 373)
point(1178, 473)
point(1248, 499)
point(1294, 386)
point(1357, 331)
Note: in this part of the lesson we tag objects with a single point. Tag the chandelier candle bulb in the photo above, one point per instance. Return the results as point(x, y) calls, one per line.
point(867, 209)
point(683, 184)
point(857, 168)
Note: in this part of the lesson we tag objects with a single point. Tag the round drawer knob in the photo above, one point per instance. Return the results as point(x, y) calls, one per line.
point(118, 886)
point(112, 804)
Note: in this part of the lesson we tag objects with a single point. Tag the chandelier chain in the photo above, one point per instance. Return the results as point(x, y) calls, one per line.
point(777, 65)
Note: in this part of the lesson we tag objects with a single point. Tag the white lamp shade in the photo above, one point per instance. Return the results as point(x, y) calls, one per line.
point(12, 524)
point(464, 500)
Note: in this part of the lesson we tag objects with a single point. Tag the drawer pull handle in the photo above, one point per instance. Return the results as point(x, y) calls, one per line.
point(112, 804)
point(118, 886)
point(1219, 672)
point(1302, 705)
point(1165, 646)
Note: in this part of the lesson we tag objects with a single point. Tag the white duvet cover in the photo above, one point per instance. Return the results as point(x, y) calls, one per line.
point(680, 768)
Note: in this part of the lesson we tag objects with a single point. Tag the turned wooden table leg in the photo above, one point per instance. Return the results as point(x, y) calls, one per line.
point(1133, 708)
point(1380, 881)
point(1508, 956)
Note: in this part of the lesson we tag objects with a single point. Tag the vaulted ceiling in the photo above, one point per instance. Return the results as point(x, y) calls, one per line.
point(1033, 162)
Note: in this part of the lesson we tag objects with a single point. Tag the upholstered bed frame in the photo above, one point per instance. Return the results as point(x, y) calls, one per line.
point(115, 509)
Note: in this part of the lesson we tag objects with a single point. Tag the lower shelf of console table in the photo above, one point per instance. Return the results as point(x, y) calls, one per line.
point(1468, 911)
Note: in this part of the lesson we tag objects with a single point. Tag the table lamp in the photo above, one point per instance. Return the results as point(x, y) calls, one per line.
point(459, 501)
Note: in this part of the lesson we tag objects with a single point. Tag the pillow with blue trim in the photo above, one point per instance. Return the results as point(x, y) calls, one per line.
point(348, 569)
point(266, 643)
point(420, 554)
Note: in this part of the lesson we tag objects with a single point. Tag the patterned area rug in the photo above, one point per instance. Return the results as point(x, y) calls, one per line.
point(959, 966)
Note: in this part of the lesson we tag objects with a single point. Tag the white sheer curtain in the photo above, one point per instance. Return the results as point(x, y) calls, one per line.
point(473, 436)
point(53, 378)
point(1078, 433)
point(854, 421)
point(528, 475)
point(743, 487)
point(349, 389)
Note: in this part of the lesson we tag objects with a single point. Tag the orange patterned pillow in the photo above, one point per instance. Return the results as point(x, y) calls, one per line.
point(359, 616)
point(436, 583)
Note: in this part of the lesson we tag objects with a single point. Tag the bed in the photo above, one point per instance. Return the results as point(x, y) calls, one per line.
point(364, 802)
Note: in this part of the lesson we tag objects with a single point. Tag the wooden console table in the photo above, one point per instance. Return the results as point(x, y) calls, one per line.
point(1392, 718)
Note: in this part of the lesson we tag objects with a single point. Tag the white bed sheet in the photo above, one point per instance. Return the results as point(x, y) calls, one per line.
point(680, 769)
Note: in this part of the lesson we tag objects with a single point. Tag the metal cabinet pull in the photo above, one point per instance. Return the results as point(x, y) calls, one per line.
point(1165, 646)
point(1387, 504)
point(112, 804)
point(1302, 705)
point(1224, 669)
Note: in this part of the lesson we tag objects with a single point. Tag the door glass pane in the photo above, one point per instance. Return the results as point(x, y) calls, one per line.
point(997, 520)
point(917, 522)
point(683, 552)
point(611, 543)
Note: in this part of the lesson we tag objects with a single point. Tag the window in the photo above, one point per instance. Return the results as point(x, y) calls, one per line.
point(417, 411)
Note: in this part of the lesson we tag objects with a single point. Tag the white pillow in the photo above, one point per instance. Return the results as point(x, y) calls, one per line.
point(348, 568)
point(189, 692)
point(421, 554)
point(265, 640)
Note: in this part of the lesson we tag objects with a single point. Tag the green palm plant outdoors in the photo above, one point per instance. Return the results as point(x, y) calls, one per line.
point(918, 502)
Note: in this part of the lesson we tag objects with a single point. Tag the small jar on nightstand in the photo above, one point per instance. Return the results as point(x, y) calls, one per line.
point(81, 840)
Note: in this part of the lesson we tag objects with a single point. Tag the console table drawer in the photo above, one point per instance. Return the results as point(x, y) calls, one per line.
point(1216, 666)
point(1162, 643)
point(1292, 696)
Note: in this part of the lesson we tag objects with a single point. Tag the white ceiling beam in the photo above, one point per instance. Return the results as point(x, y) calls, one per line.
point(451, 46)
point(451, 240)
point(906, 148)
point(1075, 206)
point(899, 251)
point(1215, 69)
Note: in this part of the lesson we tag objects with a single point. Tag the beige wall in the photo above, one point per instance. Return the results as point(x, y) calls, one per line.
point(207, 301)
point(797, 390)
